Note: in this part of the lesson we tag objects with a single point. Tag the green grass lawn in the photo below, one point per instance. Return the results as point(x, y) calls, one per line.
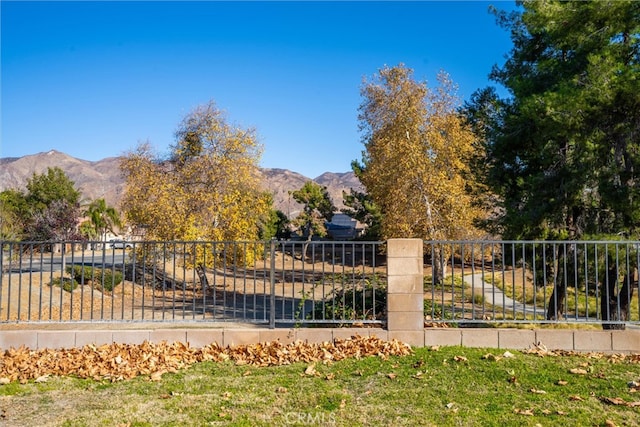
point(450, 386)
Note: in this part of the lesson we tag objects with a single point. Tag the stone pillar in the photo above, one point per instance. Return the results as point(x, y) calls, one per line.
point(405, 298)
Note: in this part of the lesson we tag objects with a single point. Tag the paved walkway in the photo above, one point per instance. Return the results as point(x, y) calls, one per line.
point(496, 297)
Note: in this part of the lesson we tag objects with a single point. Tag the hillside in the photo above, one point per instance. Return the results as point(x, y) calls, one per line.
point(102, 179)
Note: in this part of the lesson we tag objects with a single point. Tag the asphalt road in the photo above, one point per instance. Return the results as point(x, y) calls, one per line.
point(47, 262)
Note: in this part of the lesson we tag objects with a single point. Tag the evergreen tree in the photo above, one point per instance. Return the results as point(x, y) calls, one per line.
point(562, 151)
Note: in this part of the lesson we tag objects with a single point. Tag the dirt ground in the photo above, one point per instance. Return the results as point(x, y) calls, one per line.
point(182, 296)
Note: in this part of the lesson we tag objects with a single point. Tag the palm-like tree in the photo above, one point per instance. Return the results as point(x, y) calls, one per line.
point(102, 218)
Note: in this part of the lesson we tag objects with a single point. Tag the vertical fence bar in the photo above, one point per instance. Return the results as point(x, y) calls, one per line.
point(172, 279)
point(30, 281)
point(215, 261)
point(565, 276)
point(628, 284)
point(637, 281)
point(272, 282)
point(596, 280)
point(585, 260)
point(493, 281)
point(2, 272)
point(534, 278)
point(605, 304)
point(575, 280)
point(20, 262)
point(523, 263)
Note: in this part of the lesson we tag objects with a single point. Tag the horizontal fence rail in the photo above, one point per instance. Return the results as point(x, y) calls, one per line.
point(265, 282)
point(532, 282)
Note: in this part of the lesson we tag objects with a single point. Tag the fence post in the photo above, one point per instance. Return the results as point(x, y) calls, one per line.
point(272, 280)
point(405, 295)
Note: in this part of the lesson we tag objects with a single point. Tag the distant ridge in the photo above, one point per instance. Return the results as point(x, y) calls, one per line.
point(102, 179)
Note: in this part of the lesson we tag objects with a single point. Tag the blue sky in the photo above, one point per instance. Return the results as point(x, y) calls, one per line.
point(93, 79)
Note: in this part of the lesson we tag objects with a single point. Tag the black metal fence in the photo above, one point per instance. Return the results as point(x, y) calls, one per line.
point(317, 283)
point(533, 282)
point(266, 282)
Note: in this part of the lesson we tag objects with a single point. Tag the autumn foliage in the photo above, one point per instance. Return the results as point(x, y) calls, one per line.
point(414, 164)
point(207, 189)
point(124, 361)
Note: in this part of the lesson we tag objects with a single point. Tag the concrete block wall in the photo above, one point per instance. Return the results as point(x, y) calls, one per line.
point(613, 341)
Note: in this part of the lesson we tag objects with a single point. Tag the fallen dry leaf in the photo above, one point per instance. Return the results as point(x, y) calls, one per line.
point(614, 401)
point(392, 376)
point(578, 371)
point(117, 362)
point(42, 379)
point(576, 398)
point(492, 357)
point(156, 376)
point(562, 382)
point(537, 391)
point(528, 412)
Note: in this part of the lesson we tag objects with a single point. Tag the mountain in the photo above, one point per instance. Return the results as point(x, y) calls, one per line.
point(102, 179)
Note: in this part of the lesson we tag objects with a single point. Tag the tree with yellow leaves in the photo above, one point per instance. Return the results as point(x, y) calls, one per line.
point(207, 189)
point(414, 165)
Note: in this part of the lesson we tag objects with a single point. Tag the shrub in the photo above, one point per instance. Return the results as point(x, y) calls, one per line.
point(359, 302)
point(68, 284)
point(104, 279)
point(82, 274)
point(110, 279)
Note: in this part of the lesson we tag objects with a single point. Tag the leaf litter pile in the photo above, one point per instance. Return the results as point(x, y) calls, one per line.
point(117, 362)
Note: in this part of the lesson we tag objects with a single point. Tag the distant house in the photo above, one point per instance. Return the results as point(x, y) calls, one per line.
point(343, 227)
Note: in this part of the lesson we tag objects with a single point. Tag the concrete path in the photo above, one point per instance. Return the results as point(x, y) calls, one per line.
point(496, 297)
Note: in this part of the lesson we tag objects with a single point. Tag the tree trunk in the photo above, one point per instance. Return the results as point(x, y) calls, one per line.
point(615, 306)
point(556, 300)
point(439, 263)
point(557, 297)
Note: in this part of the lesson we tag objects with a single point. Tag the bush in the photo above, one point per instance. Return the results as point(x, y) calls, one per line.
point(82, 274)
point(353, 303)
point(103, 279)
point(110, 279)
point(65, 283)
